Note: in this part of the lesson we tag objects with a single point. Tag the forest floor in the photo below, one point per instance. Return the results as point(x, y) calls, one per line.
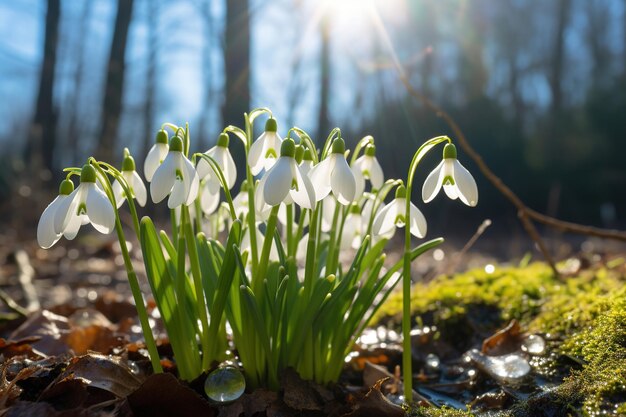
point(496, 339)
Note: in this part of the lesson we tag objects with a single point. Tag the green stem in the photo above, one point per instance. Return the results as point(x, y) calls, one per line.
point(138, 297)
point(289, 238)
point(267, 246)
point(197, 281)
point(407, 372)
point(311, 253)
point(174, 227)
point(142, 313)
point(251, 187)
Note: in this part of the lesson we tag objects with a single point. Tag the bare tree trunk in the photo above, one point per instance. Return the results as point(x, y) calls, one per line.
point(473, 71)
point(598, 38)
point(558, 57)
point(207, 63)
point(41, 142)
point(151, 85)
point(323, 122)
point(73, 125)
point(114, 86)
point(237, 62)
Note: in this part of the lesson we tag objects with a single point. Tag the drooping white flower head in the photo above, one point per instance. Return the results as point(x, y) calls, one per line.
point(352, 233)
point(307, 162)
point(86, 204)
point(368, 167)
point(137, 187)
point(175, 177)
point(46, 234)
point(264, 151)
point(457, 181)
point(209, 199)
point(285, 180)
point(156, 155)
point(222, 156)
point(334, 174)
point(394, 215)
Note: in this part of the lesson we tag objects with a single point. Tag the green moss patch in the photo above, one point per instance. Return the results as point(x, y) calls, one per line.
point(584, 313)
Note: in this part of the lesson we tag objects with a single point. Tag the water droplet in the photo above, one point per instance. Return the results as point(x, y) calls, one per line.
point(508, 368)
point(225, 384)
point(432, 362)
point(533, 344)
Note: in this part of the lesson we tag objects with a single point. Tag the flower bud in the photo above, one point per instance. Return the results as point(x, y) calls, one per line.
point(271, 125)
point(161, 137)
point(339, 146)
point(223, 140)
point(88, 174)
point(449, 151)
point(288, 148)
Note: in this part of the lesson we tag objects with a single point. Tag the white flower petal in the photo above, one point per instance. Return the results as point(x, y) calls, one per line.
point(417, 222)
point(256, 154)
point(272, 150)
point(139, 188)
point(342, 180)
point(377, 177)
point(72, 228)
point(164, 177)
point(466, 185)
point(46, 236)
point(155, 156)
point(433, 183)
point(304, 196)
point(351, 228)
point(118, 192)
point(203, 168)
point(99, 209)
point(320, 178)
point(385, 220)
point(209, 202)
point(359, 180)
point(67, 208)
point(328, 212)
point(228, 167)
point(192, 180)
point(306, 167)
point(260, 206)
point(279, 181)
point(451, 191)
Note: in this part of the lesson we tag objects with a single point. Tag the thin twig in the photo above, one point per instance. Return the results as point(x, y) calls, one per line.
point(457, 258)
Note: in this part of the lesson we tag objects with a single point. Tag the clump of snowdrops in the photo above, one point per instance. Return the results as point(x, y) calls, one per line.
point(293, 263)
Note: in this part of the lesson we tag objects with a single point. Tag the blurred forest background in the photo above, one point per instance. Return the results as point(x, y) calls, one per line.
point(539, 88)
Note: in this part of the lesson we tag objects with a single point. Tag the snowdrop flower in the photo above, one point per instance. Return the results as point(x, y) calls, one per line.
point(86, 204)
point(264, 151)
point(137, 188)
point(394, 215)
point(333, 173)
point(176, 176)
point(240, 201)
point(156, 155)
point(457, 182)
point(222, 156)
point(307, 162)
point(368, 167)
point(209, 199)
point(46, 234)
point(284, 180)
point(351, 235)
